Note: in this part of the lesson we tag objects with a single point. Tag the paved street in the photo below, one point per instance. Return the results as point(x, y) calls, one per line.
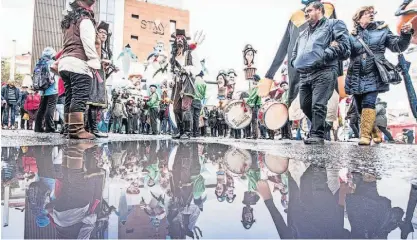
point(339, 190)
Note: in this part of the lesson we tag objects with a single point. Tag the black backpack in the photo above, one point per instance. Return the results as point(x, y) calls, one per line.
point(42, 77)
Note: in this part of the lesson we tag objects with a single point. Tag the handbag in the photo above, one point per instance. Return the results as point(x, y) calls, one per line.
point(387, 71)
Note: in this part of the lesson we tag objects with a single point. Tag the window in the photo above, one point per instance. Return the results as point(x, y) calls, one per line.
point(172, 26)
point(135, 16)
point(134, 37)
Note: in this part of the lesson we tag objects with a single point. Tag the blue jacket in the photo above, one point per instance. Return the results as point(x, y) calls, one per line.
point(313, 51)
point(48, 54)
point(362, 75)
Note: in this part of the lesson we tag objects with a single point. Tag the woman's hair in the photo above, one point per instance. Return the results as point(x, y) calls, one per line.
point(75, 14)
point(359, 13)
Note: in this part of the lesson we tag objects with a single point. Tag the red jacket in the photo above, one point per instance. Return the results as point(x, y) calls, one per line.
point(33, 100)
point(61, 88)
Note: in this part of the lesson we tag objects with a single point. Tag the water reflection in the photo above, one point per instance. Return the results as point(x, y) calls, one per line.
point(165, 189)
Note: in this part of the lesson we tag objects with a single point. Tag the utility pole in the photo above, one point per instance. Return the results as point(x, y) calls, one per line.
point(13, 61)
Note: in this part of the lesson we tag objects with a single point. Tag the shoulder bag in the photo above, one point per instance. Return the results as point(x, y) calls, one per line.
point(387, 71)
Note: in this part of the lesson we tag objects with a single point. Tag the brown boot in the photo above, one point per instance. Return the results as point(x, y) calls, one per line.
point(76, 126)
point(375, 135)
point(367, 123)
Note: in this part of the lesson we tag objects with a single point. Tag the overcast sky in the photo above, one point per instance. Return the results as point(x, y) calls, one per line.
point(228, 24)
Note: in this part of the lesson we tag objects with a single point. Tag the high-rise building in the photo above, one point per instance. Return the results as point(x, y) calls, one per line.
point(47, 30)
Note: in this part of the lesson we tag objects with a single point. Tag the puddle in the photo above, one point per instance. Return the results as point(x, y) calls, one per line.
point(165, 189)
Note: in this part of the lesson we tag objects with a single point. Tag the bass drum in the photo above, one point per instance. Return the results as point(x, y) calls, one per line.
point(237, 114)
point(273, 115)
point(237, 161)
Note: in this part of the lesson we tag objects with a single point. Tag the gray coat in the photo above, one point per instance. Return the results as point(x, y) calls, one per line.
point(381, 115)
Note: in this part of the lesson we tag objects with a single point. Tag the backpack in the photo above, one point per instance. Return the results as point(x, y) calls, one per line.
point(42, 77)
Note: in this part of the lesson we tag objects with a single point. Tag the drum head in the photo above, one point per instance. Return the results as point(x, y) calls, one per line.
point(236, 115)
point(276, 164)
point(276, 116)
point(238, 161)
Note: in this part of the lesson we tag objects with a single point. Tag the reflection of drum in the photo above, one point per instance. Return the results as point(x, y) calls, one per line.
point(273, 115)
point(276, 164)
point(237, 161)
point(171, 116)
point(238, 114)
point(304, 125)
point(249, 73)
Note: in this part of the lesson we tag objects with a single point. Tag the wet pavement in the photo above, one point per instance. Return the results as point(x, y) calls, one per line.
point(206, 188)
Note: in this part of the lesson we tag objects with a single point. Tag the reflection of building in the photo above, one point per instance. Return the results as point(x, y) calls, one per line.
point(47, 23)
point(145, 23)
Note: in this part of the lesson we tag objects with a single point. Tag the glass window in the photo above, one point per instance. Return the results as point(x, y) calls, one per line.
point(111, 6)
point(103, 6)
point(103, 17)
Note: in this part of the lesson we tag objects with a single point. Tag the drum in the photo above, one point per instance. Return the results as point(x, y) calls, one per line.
point(249, 73)
point(237, 161)
point(276, 164)
point(273, 115)
point(304, 125)
point(238, 114)
point(171, 116)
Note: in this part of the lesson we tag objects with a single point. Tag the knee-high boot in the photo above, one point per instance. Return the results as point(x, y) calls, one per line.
point(367, 123)
point(76, 126)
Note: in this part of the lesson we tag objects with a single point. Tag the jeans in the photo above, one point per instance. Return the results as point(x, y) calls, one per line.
point(196, 110)
point(366, 100)
point(12, 109)
point(77, 91)
point(46, 112)
point(315, 91)
point(165, 126)
point(60, 109)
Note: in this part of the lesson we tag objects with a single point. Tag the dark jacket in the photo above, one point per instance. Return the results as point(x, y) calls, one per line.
point(362, 76)
point(296, 25)
point(5, 94)
point(312, 51)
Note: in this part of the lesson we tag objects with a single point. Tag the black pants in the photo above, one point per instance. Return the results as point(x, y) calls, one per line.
point(355, 128)
point(386, 133)
point(252, 128)
point(196, 110)
point(46, 112)
point(366, 100)
point(154, 116)
point(77, 90)
point(315, 91)
point(213, 131)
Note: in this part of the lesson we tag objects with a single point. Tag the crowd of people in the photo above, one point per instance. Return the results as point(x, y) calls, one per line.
point(77, 75)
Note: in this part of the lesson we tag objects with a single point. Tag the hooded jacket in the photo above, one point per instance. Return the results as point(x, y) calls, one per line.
point(362, 75)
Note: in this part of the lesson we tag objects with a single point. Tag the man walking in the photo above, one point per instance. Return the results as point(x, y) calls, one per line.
point(316, 57)
point(153, 105)
point(10, 97)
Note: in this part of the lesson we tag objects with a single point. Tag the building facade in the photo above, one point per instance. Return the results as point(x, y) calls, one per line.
point(145, 23)
point(47, 30)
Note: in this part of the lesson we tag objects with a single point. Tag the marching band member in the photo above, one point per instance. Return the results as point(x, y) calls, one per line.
point(286, 132)
point(254, 101)
point(231, 75)
point(213, 121)
point(153, 105)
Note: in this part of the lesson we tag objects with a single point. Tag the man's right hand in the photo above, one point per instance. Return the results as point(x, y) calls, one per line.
point(263, 189)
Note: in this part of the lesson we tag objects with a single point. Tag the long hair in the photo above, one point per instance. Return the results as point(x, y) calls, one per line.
point(107, 46)
point(75, 14)
point(359, 13)
point(174, 53)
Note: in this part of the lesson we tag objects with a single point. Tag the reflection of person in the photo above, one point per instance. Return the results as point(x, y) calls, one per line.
point(362, 79)
point(370, 215)
point(247, 217)
point(407, 226)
